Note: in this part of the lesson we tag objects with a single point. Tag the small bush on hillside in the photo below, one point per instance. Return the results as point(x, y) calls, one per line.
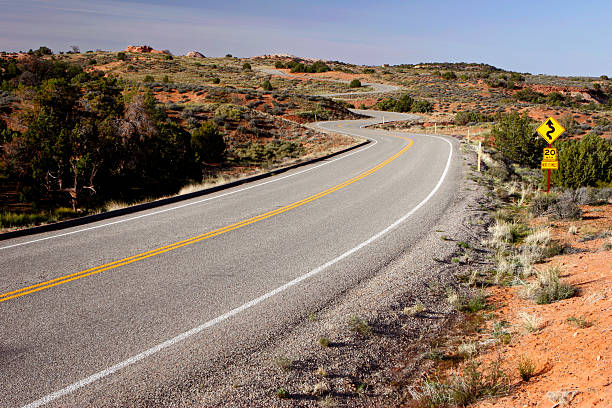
point(216, 80)
point(559, 206)
point(421, 106)
point(463, 118)
point(515, 137)
point(121, 56)
point(208, 144)
point(279, 65)
point(355, 83)
point(266, 85)
point(404, 104)
point(148, 78)
point(587, 162)
point(449, 75)
point(246, 66)
point(318, 66)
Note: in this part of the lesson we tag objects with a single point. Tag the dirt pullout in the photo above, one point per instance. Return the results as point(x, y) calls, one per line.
point(370, 365)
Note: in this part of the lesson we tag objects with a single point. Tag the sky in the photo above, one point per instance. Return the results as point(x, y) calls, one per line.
point(539, 36)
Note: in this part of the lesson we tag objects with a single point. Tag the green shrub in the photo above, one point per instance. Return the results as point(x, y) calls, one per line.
point(269, 153)
point(168, 57)
point(558, 206)
point(449, 75)
point(463, 118)
point(359, 325)
point(282, 393)
point(246, 66)
point(279, 65)
point(208, 144)
point(148, 78)
point(421, 106)
point(266, 85)
point(166, 80)
point(318, 66)
point(121, 56)
point(355, 83)
point(404, 104)
point(216, 80)
point(515, 137)
point(587, 162)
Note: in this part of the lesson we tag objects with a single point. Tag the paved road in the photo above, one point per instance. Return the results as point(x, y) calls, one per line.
point(135, 303)
point(377, 88)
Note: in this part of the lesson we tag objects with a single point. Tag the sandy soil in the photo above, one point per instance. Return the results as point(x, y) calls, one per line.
point(573, 363)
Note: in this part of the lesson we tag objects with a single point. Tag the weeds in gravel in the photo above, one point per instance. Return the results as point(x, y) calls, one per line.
point(284, 363)
point(328, 402)
point(321, 389)
point(282, 393)
point(323, 341)
point(504, 233)
point(467, 302)
point(321, 371)
point(414, 310)
point(464, 245)
point(359, 325)
point(463, 388)
point(548, 288)
point(526, 368)
point(579, 322)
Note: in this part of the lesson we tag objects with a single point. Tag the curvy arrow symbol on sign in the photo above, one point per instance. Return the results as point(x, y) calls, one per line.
point(552, 128)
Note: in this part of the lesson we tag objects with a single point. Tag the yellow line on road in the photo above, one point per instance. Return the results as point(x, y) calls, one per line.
point(144, 255)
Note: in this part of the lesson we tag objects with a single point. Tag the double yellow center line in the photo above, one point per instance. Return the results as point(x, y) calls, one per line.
point(158, 251)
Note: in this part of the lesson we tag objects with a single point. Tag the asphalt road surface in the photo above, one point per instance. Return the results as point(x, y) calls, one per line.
point(117, 308)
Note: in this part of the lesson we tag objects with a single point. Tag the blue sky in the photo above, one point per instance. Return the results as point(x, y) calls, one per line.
point(553, 37)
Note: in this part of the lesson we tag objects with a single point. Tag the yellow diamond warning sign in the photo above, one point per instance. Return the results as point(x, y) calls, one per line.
point(550, 130)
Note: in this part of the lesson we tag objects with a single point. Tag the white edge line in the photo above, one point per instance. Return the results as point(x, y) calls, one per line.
point(168, 343)
point(187, 204)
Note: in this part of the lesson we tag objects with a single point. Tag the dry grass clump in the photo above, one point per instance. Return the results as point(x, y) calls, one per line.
point(526, 368)
point(463, 388)
point(531, 322)
point(548, 288)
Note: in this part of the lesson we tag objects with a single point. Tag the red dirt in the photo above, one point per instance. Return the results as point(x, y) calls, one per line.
point(568, 358)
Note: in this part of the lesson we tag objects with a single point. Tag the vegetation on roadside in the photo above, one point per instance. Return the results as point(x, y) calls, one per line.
point(404, 103)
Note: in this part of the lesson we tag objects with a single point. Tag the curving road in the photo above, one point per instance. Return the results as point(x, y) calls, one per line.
point(378, 88)
point(113, 310)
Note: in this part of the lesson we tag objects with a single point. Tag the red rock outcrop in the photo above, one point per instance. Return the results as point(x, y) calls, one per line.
point(144, 49)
